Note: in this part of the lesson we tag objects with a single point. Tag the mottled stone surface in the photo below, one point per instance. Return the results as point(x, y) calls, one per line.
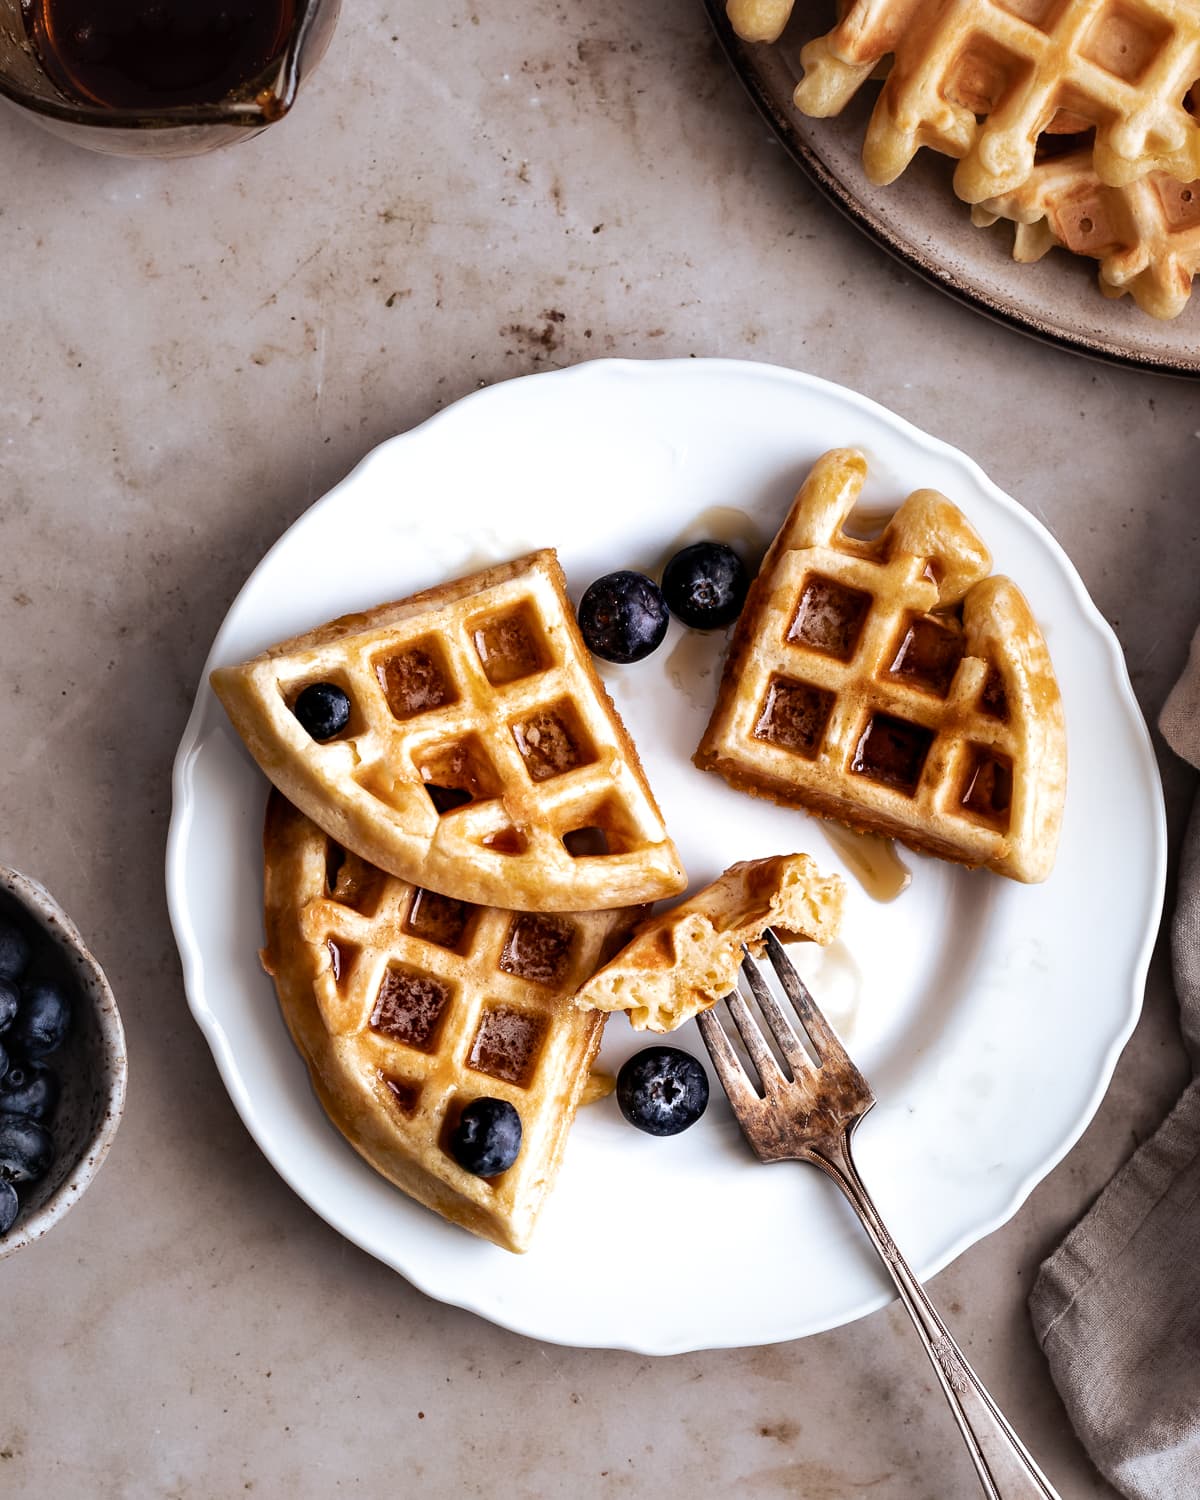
point(192, 352)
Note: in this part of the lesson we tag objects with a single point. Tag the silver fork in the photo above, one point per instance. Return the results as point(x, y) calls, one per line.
point(811, 1117)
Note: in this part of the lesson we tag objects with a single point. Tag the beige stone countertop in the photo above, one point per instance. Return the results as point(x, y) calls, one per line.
point(193, 351)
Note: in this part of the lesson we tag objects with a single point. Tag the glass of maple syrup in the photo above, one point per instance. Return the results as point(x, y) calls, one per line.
point(159, 77)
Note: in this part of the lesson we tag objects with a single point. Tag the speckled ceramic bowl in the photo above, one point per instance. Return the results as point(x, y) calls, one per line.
point(91, 1065)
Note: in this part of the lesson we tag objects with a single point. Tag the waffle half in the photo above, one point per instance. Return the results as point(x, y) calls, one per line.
point(482, 759)
point(981, 80)
point(894, 685)
point(406, 1006)
point(685, 960)
point(1146, 236)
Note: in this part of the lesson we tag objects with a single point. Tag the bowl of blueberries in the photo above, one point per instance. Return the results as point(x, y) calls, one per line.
point(62, 1063)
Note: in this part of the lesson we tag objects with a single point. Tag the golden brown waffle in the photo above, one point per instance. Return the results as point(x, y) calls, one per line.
point(685, 960)
point(1146, 236)
point(981, 80)
point(407, 1005)
point(893, 684)
point(482, 759)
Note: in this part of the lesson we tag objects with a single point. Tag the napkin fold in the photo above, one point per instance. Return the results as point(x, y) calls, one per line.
point(1116, 1308)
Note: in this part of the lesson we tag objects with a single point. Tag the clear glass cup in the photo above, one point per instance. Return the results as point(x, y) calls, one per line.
point(184, 130)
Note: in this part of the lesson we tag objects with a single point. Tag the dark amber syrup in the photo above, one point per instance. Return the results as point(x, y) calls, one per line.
point(156, 54)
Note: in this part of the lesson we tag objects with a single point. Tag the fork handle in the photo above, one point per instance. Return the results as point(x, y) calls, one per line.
point(1005, 1469)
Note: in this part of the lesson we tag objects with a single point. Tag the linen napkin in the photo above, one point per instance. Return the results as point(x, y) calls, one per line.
point(1116, 1308)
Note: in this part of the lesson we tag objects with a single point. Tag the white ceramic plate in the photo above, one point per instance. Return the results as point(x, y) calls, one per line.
point(921, 222)
point(987, 1015)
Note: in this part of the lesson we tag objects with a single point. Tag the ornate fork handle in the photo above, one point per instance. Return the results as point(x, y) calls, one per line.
point(1005, 1469)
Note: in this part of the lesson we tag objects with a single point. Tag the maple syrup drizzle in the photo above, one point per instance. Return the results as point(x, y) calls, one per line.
point(693, 665)
point(719, 523)
point(836, 981)
point(341, 956)
point(872, 860)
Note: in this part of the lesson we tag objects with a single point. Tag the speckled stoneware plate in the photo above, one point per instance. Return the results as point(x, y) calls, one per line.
point(987, 1015)
point(921, 222)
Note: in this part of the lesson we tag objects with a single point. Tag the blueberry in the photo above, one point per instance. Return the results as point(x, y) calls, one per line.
point(29, 1089)
point(705, 585)
point(623, 617)
point(14, 950)
point(323, 709)
point(662, 1090)
point(487, 1139)
point(43, 1019)
point(10, 1001)
point(26, 1149)
point(10, 1206)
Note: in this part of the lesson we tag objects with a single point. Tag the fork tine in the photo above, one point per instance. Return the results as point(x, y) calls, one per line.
point(726, 1061)
point(784, 1032)
point(760, 1054)
point(820, 1032)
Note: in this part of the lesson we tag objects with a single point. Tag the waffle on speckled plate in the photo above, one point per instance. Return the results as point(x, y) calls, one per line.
point(1077, 119)
point(893, 684)
point(982, 80)
point(1145, 235)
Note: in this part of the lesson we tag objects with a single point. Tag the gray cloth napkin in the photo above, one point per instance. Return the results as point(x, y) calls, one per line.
point(1116, 1308)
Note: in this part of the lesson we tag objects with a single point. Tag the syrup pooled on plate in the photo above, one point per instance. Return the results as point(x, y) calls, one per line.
point(156, 54)
point(872, 861)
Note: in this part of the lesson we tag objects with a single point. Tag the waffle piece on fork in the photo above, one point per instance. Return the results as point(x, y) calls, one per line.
point(681, 961)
